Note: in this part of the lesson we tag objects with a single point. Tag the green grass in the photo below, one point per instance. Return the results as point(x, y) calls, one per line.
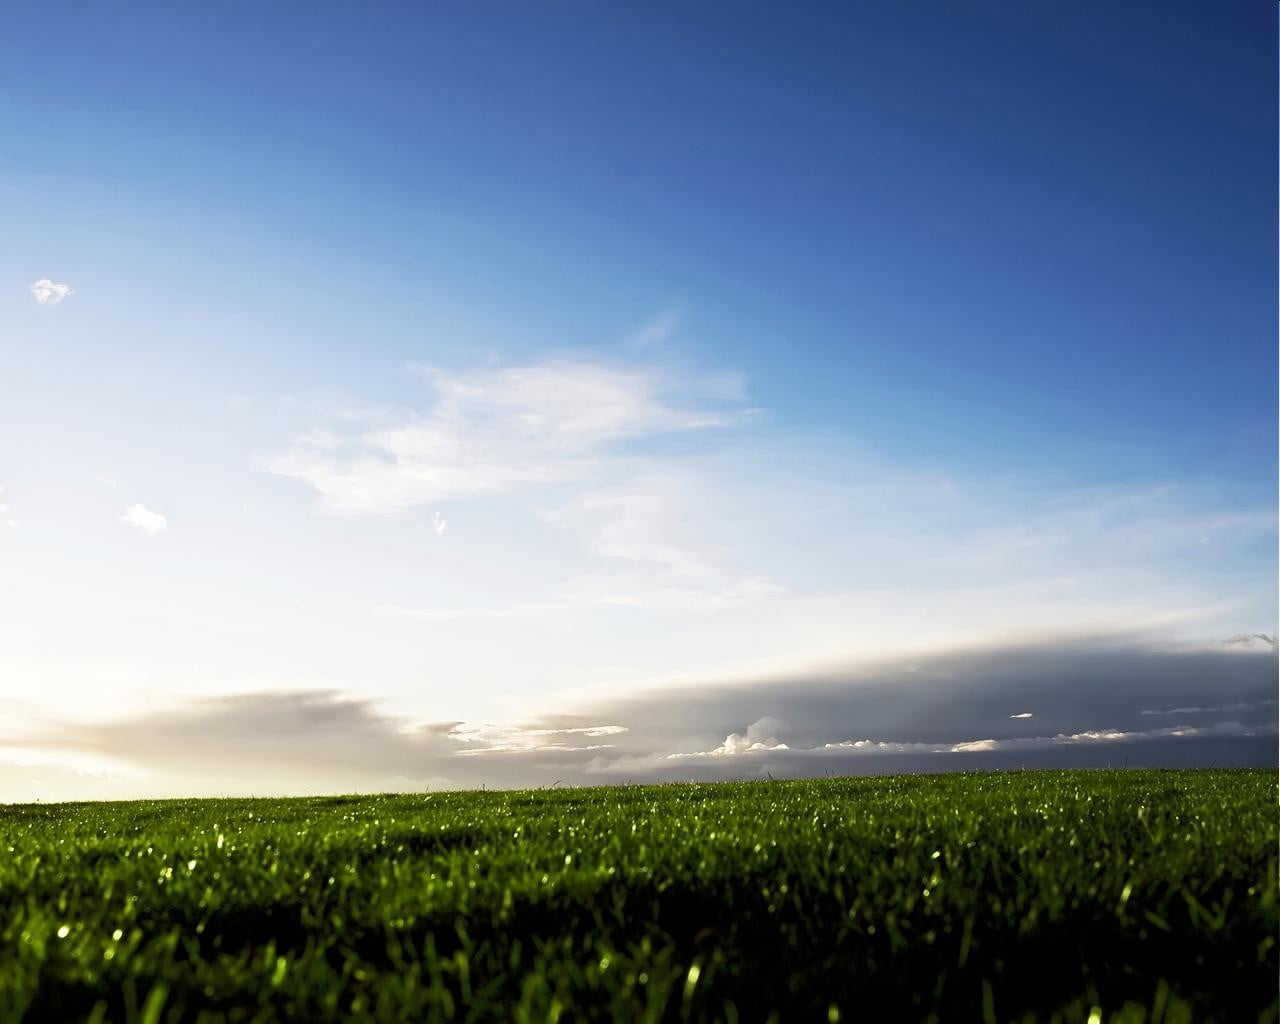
point(1072, 896)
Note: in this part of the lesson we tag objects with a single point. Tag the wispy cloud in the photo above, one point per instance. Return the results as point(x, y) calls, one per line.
point(50, 293)
point(657, 330)
point(633, 475)
point(438, 524)
point(496, 430)
point(646, 519)
point(1240, 706)
point(671, 598)
point(149, 522)
point(1102, 736)
point(1253, 640)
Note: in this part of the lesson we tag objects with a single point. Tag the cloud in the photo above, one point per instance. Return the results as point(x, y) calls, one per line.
point(303, 742)
point(50, 293)
point(494, 431)
point(875, 747)
point(1024, 714)
point(657, 330)
point(622, 492)
point(490, 739)
point(736, 745)
point(438, 524)
point(663, 598)
point(144, 519)
point(1252, 706)
point(929, 714)
point(758, 739)
point(1090, 696)
point(308, 741)
point(1098, 736)
point(1253, 640)
point(645, 519)
point(738, 594)
point(79, 762)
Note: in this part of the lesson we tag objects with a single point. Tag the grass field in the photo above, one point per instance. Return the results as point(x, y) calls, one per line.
point(1072, 896)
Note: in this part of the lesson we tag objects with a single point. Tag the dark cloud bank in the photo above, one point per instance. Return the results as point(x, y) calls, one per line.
point(1089, 703)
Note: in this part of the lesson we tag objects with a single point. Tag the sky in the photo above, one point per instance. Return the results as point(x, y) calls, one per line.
point(402, 396)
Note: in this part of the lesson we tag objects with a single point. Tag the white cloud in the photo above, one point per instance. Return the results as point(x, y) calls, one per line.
point(1106, 736)
point(735, 745)
point(758, 739)
point(50, 293)
point(755, 742)
point(144, 519)
point(1091, 737)
point(439, 524)
point(876, 747)
point(974, 746)
point(796, 546)
point(494, 739)
point(496, 430)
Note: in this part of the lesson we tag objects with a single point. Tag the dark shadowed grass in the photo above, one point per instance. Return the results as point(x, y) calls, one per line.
point(1070, 896)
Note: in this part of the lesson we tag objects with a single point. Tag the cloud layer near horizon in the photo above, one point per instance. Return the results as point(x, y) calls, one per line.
point(1092, 700)
point(565, 533)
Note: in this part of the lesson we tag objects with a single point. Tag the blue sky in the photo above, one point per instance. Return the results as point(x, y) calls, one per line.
point(487, 361)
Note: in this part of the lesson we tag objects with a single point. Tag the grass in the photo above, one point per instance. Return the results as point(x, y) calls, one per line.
point(1068, 896)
